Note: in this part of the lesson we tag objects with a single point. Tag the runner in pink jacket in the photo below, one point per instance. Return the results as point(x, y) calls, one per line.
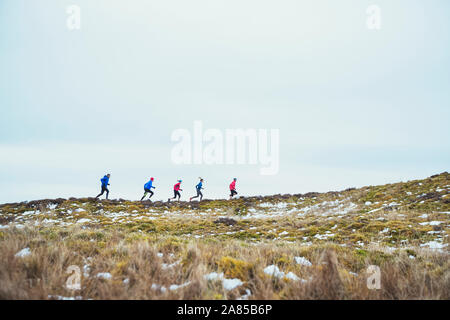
point(233, 188)
point(176, 191)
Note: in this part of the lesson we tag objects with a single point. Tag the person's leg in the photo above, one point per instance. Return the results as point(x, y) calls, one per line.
point(107, 193)
point(151, 193)
point(101, 193)
point(145, 193)
point(174, 195)
point(199, 193)
point(177, 194)
point(194, 196)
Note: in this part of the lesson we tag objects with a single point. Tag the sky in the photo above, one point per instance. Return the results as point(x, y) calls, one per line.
point(353, 106)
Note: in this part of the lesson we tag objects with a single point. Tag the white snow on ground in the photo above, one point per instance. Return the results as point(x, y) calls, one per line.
point(434, 245)
point(303, 261)
point(431, 223)
point(157, 286)
point(213, 276)
point(52, 206)
point(274, 271)
point(176, 286)
point(104, 275)
point(424, 216)
point(49, 221)
point(86, 270)
point(292, 276)
point(323, 236)
point(23, 253)
point(80, 210)
point(168, 266)
point(84, 220)
point(279, 205)
point(392, 204)
point(4, 226)
point(328, 208)
point(159, 254)
point(230, 284)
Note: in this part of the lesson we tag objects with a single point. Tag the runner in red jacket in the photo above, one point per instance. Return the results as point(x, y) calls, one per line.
point(233, 188)
point(176, 191)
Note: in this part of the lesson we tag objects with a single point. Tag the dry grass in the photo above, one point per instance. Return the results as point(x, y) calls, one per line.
point(42, 274)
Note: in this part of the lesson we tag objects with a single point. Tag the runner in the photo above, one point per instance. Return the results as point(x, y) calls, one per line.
point(233, 188)
point(105, 184)
point(176, 191)
point(198, 187)
point(148, 189)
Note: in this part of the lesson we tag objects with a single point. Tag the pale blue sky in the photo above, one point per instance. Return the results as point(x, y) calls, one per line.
point(354, 107)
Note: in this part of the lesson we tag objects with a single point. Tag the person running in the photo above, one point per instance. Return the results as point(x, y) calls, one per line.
point(198, 187)
point(105, 184)
point(176, 191)
point(233, 188)
point(148, 189)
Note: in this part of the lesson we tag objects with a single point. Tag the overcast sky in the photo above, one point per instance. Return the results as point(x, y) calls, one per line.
point(354, 106)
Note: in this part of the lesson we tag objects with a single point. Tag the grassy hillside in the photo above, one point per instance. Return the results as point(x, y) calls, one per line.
point(302, 246)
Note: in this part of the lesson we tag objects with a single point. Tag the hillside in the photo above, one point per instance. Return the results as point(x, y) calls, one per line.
point(301, 246)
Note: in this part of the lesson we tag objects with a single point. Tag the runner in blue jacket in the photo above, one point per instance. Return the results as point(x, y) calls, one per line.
point(148, 189)
point(105, 184)
point(198, 187)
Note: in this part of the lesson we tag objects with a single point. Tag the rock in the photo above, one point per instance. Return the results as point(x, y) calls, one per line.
point(227, 221)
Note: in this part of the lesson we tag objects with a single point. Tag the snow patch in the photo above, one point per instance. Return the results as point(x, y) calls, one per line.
point(434, 245)
point(23, 253)
point(176, 286)
point(104, 275)
point(303, 261)
point(230, 284)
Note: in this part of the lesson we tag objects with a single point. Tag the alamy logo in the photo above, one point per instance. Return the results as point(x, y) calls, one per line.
point(374, 17)
point(374, 277)
point(73, 21)
point(233, 146)
point(74, 280)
